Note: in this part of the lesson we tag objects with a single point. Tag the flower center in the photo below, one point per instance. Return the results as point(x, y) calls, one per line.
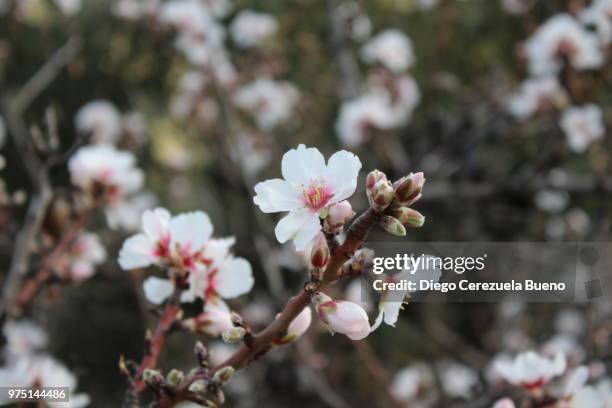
point(316, 196)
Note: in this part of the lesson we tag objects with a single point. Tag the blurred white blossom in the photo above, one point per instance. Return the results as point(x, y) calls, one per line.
point(582, 125)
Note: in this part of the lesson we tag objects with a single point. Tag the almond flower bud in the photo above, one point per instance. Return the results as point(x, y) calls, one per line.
point(198, 387)
point(409, 217)
point(408, 189)
point(174, 377)
point(393, 226)
point(319, 256)
point(338, 215)
point(374, 177)
point(224, 375)
point(341, 316)
point(201, 353)
point(152, 378)
point(381, 194)
point(233, 335)
point(298, 326)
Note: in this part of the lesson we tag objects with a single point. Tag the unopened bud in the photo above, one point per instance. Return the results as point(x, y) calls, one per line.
point(374, 177)
point(224, 374)
point(152, 378)
point(219, 396)
point(338, 215)
point(392, 226)
point(237, 320)
point(382, 195)
point(201, 353)
point(408, 189)
point(175, 377)
point(409, 217)
point(319, 257)
point(198, 387)
point(233, 335)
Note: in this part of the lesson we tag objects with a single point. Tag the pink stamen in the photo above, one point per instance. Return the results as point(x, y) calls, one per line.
point(317, 196)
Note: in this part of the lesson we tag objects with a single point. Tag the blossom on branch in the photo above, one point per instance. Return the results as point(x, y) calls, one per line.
point(341, 316)
point(582, 126)
point(250, 28)
point(531, 370)
point(308, 188)
point(99, 119)
point(391, 48)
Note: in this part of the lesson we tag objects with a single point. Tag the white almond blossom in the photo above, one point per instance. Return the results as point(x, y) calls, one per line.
point(457, 380)
point(342, 317)
point(391, 48)
point(582, 125)
point(504, 403)
point(297, 327)
point(531, 370)
point(392, 300)
point(270, 102)
point(250, 28)
point(183, 244)
point(105, 173)
point(599, 15)
point(84, 255)
point(168, 241)
point(562, 36)
point(377, 109)
point(23, 337)
point(578, 394)
point(101, 120)
point(411, 381)
point(42, 371)
point(308, 188)
point(536, 93)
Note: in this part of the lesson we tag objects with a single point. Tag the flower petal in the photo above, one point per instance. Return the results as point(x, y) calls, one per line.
point(191, 230)
point(276, 195)
point(155, 223)
point(235, 278)
point(301, 165)
point(137, 251)
point(300, 225)
point(341, 174)
point(157, 290)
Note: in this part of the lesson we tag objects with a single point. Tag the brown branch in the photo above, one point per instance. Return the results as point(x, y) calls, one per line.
point(262, 341)
point(46, 74)
point(157, 342)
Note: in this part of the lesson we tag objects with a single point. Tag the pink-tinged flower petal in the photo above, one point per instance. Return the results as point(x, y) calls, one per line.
point(300, 225)
point(576, 380)
point(217, 249)
point(217, 317)
point(301, 323)
point(190, 230)
point(276, 195)
point(155, 223)
point(137, 251)
point(299, 166)
point(341, 174)
point(343, 317)
point(198, 283)
point(157, 290)
point(235, 278)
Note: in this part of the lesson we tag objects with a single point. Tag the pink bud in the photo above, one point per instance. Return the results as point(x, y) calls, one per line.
point(409, 217)
point(382, 194)
point(338, 215)
point(319, 256)
point(408, 189)
point(298, 326)
point(341, 316)
point(373, 177)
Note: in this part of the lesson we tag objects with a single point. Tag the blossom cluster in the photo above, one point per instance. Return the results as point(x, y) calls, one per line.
point(391, 93)
point(557, 53)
